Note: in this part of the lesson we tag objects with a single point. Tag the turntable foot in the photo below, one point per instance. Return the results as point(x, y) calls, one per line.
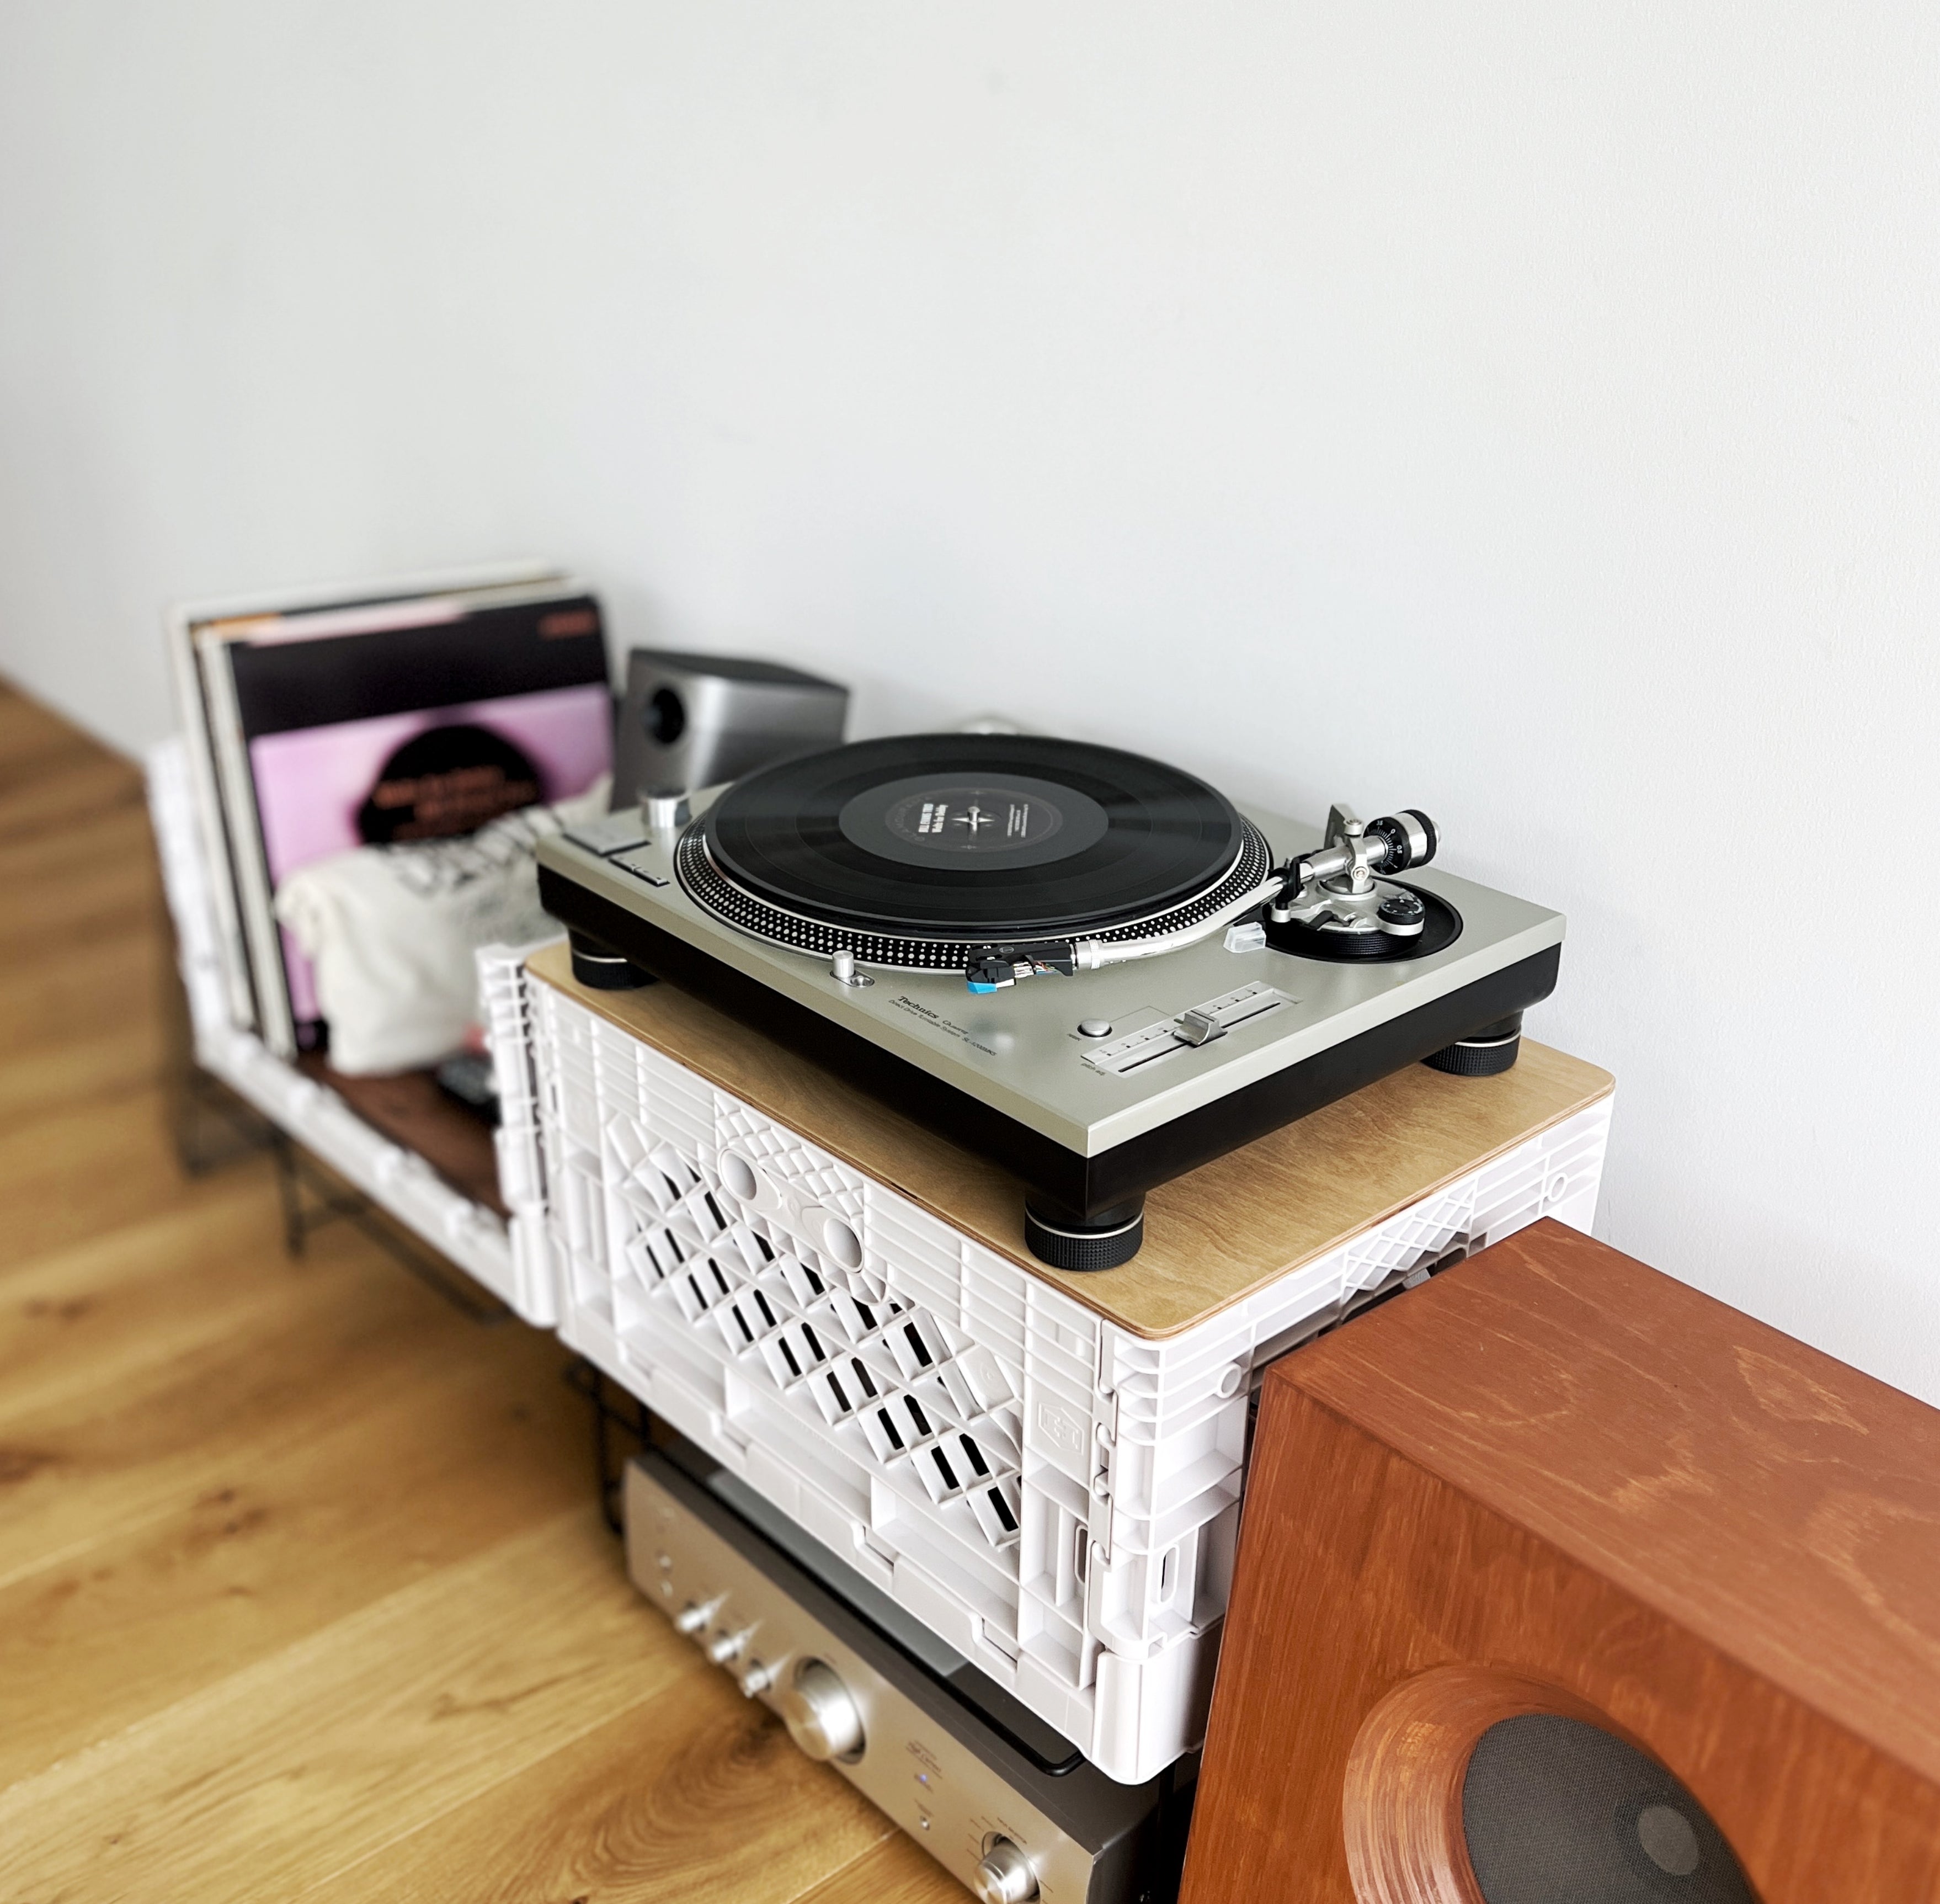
point(603, 970)
point(1103, 1240)
point(1483, 1054)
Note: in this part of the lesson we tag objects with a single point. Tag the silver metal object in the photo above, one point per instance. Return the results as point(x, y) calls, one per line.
point(1319, 902)
point(1336, 888)
point(880, 1713)
point(1003, 1875)
point(1345, 834)
point(1014, 1051)
point(1094, 1027)
point(693, 1617)
point(758, 1678)
point(1199, 1026)
point(664, 812)
point(842, 968)
point(1418, 837)
point(822, 1717)
point(691, 720)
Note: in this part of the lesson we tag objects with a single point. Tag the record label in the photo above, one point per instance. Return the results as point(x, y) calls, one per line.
point(1016, 821)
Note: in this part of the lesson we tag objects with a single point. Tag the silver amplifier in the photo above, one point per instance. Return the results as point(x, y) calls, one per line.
point(1001, 1801)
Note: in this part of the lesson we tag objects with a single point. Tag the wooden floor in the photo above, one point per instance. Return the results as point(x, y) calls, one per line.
point(303, 1593)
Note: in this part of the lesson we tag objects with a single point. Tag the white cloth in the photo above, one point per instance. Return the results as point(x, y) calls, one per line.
point(391, 931)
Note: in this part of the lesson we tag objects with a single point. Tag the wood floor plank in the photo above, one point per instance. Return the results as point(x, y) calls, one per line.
point(111, 833)
point(117, 1630)
point(276, 1777)
point(83, 1169)
point(716, 1806)
point(113, 1063)
point(48, 785)
point(895, 1871)
point(107, 987)
point(302, 1590)
point(77, 1324)
point(101, 895)
point(352, 1328)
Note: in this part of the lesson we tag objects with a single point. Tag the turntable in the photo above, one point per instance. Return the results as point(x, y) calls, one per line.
point(1088, 965)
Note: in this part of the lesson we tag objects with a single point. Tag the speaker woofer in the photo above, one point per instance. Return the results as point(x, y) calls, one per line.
point(1555, 1807)
point(666, 719)
point(1467, 1785)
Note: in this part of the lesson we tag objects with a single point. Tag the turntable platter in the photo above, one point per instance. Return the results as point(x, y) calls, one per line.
point(971, 836)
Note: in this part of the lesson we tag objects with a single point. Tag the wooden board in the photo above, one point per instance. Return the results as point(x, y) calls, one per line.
point(1212, 1237)
point(411, 1109)
point(1816, 1557)
point(302, 1594)
point(1555, 1476)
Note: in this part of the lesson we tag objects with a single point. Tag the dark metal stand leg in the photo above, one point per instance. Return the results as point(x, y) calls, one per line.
point(289, 1195)
point(312, 1198)
point(212, 1128)
point(621, 1424)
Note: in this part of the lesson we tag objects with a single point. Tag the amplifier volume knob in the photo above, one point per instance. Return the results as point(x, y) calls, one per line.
point(1003, 1875)
point(821, 1716)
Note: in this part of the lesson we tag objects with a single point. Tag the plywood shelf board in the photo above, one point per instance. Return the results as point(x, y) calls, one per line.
point(1213, 1236)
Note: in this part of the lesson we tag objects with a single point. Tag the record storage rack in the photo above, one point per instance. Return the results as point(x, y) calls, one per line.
point(399, 1181)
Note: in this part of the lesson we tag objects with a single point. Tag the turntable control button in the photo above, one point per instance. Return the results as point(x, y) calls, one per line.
point(1094, 1027)
point(1198, 1027)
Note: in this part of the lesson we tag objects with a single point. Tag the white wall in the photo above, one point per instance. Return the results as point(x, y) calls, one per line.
point(1528, 412)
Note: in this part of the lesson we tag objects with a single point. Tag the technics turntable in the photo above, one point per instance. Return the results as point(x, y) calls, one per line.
point(1087, 965)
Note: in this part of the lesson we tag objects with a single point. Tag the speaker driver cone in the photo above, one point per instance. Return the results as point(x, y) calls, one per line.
point(1556, 1808)
point(1468, 1786)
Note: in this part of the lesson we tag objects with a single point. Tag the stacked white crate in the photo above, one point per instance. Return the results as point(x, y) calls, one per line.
point(506, 996)
point(1054, 1494)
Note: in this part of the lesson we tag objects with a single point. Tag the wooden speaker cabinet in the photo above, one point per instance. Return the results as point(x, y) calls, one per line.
point(1560, 1583)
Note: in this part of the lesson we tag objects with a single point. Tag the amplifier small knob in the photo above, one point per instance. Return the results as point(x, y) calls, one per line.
point(821, 1716)
point(692, 1617)
point(728, 1646)
point(1003, 1875)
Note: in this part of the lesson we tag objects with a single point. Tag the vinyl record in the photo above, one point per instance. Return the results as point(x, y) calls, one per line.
point(969, 836)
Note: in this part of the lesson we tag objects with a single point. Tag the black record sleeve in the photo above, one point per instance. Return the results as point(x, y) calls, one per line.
point(286, 684)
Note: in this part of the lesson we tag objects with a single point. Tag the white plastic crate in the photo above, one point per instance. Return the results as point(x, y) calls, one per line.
point(506, 994)
point(1056, 1497)
point(396, 1179)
